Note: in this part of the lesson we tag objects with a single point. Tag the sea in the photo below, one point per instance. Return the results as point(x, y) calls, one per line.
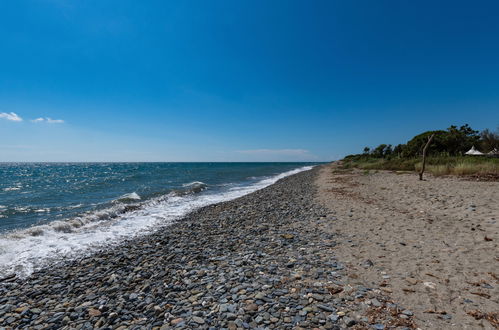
point(54, 212)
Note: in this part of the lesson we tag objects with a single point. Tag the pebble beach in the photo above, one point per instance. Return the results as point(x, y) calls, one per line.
point(261, 261)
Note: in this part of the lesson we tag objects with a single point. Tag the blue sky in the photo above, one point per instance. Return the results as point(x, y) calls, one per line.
point(239, 80)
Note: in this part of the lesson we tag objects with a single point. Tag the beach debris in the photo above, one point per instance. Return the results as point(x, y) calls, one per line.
point(481, 294)
point(435, 276)
point(430, 285)
point(389, 315)
point(334, 290)
point(481, 283)
point(493, 318)
point(487, 239)
point(431, 311)
point(288, 236)
point(494, 276)
point(424, 156)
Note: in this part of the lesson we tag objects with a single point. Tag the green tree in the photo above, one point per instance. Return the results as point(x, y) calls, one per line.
point(459, 140)
point(399, 150)
point(378, 152)
point(414, 147)
point(454, 141)
point(489, 140)
point(388, 151)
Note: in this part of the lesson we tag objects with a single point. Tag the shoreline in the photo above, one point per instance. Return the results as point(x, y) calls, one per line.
point(25, 250)
point(256, 261)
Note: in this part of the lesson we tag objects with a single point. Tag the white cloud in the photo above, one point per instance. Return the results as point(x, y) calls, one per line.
point(10, 116)
point(48, 120)
point(55, 121)
point(278, 152)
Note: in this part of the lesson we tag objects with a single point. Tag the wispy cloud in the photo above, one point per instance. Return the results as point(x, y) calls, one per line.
point(276, 152)
point(48, 120)
point(10, 116)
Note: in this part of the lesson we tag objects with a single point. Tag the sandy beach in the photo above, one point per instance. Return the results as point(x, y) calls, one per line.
point(430, 245)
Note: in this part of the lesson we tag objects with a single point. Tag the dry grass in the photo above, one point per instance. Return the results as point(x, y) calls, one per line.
point(438, 166)
point(439, 170)
point(461, 168)
point(485, 168)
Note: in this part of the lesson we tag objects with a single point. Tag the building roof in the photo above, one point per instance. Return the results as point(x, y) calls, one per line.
point(473, 152)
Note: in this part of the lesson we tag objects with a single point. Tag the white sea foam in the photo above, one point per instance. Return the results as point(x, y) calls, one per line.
point(25, 251)
point(196, 187)
point(131, 196)
point(194, 184)
point(12, 188)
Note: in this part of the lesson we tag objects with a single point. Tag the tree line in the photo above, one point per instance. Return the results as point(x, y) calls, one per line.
point(454, 141)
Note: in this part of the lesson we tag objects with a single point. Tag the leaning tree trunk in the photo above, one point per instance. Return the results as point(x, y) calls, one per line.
point(424, 156)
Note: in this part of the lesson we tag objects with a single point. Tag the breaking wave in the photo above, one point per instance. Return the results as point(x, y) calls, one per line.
point(27, 250)
point(129, 197)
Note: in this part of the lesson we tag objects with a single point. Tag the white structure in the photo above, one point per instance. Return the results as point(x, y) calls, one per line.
point(473, 152)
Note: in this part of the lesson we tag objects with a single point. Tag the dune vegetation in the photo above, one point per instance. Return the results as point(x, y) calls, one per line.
point(446, 154)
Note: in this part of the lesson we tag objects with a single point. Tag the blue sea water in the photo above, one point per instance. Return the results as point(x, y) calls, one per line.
point(50, 211)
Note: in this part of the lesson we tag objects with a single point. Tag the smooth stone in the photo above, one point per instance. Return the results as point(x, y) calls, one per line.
point(408, 312)
point(198, 320)
point(94, 312)
point(349, 321)
point(251, 307)
point(326, 308)
point(231, 316)
point(177, 321)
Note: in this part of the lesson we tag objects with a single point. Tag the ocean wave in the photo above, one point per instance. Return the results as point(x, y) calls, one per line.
point(129, 197)
point(12, 188)
point(195, 187)
point(27, 250)
point(24, 210)
point(194, 184)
